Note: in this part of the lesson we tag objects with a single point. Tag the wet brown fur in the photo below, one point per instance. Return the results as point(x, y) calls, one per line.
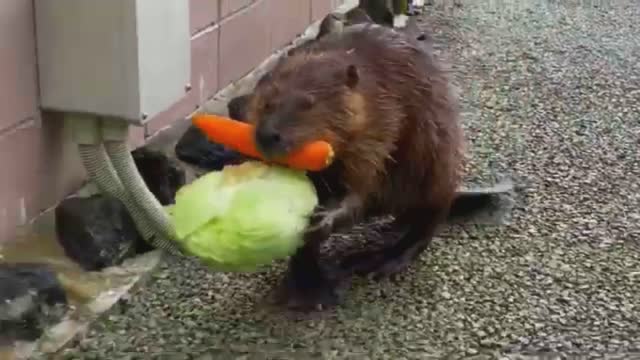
point(385, 104)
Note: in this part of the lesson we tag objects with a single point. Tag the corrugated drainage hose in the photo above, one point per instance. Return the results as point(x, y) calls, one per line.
point(115, 173)
point(134, 184)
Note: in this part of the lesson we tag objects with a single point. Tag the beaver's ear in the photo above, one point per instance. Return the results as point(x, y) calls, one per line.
point(353, 77)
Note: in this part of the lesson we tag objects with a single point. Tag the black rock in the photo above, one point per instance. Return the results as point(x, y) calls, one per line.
point(31, 298)
point(194, 148)
point(380, 11)
point(97, 232)
point(162, 176)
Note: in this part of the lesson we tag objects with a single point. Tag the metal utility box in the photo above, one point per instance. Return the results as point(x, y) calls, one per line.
point(117, 58)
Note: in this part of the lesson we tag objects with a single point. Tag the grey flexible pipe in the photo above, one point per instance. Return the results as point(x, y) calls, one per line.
point(133, 183)
point(99, 169)
point(90, 137)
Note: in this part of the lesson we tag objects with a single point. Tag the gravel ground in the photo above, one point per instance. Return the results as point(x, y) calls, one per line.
point(552, 98)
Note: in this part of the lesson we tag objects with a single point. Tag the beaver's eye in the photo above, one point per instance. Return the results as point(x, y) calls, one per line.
point(268, 106)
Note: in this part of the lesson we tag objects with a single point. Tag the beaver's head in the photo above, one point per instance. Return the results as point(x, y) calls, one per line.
point(303, 99)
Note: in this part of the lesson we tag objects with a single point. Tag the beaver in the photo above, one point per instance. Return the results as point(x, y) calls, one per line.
point(387, 107)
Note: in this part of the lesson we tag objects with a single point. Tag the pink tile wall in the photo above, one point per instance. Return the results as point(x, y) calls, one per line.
point(287, 19)
point(18, 89)
point(203, 13)
point(228, 7)
point(244, 41)
point(319, 8)
point(40, 165)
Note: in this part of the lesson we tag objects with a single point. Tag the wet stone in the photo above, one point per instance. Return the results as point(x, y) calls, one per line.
point(162, 176)
point(97, 231)
point(194, 148)
point(31, 298)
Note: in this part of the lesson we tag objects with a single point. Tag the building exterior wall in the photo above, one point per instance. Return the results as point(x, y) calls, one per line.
point(40, 166)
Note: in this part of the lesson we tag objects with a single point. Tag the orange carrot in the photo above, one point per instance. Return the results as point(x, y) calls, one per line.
point(238, 136)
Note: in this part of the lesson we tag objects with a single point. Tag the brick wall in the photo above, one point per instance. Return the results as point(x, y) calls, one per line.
point(39, 165)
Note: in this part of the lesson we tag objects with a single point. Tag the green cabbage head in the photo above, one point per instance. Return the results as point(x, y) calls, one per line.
point(244, 216)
